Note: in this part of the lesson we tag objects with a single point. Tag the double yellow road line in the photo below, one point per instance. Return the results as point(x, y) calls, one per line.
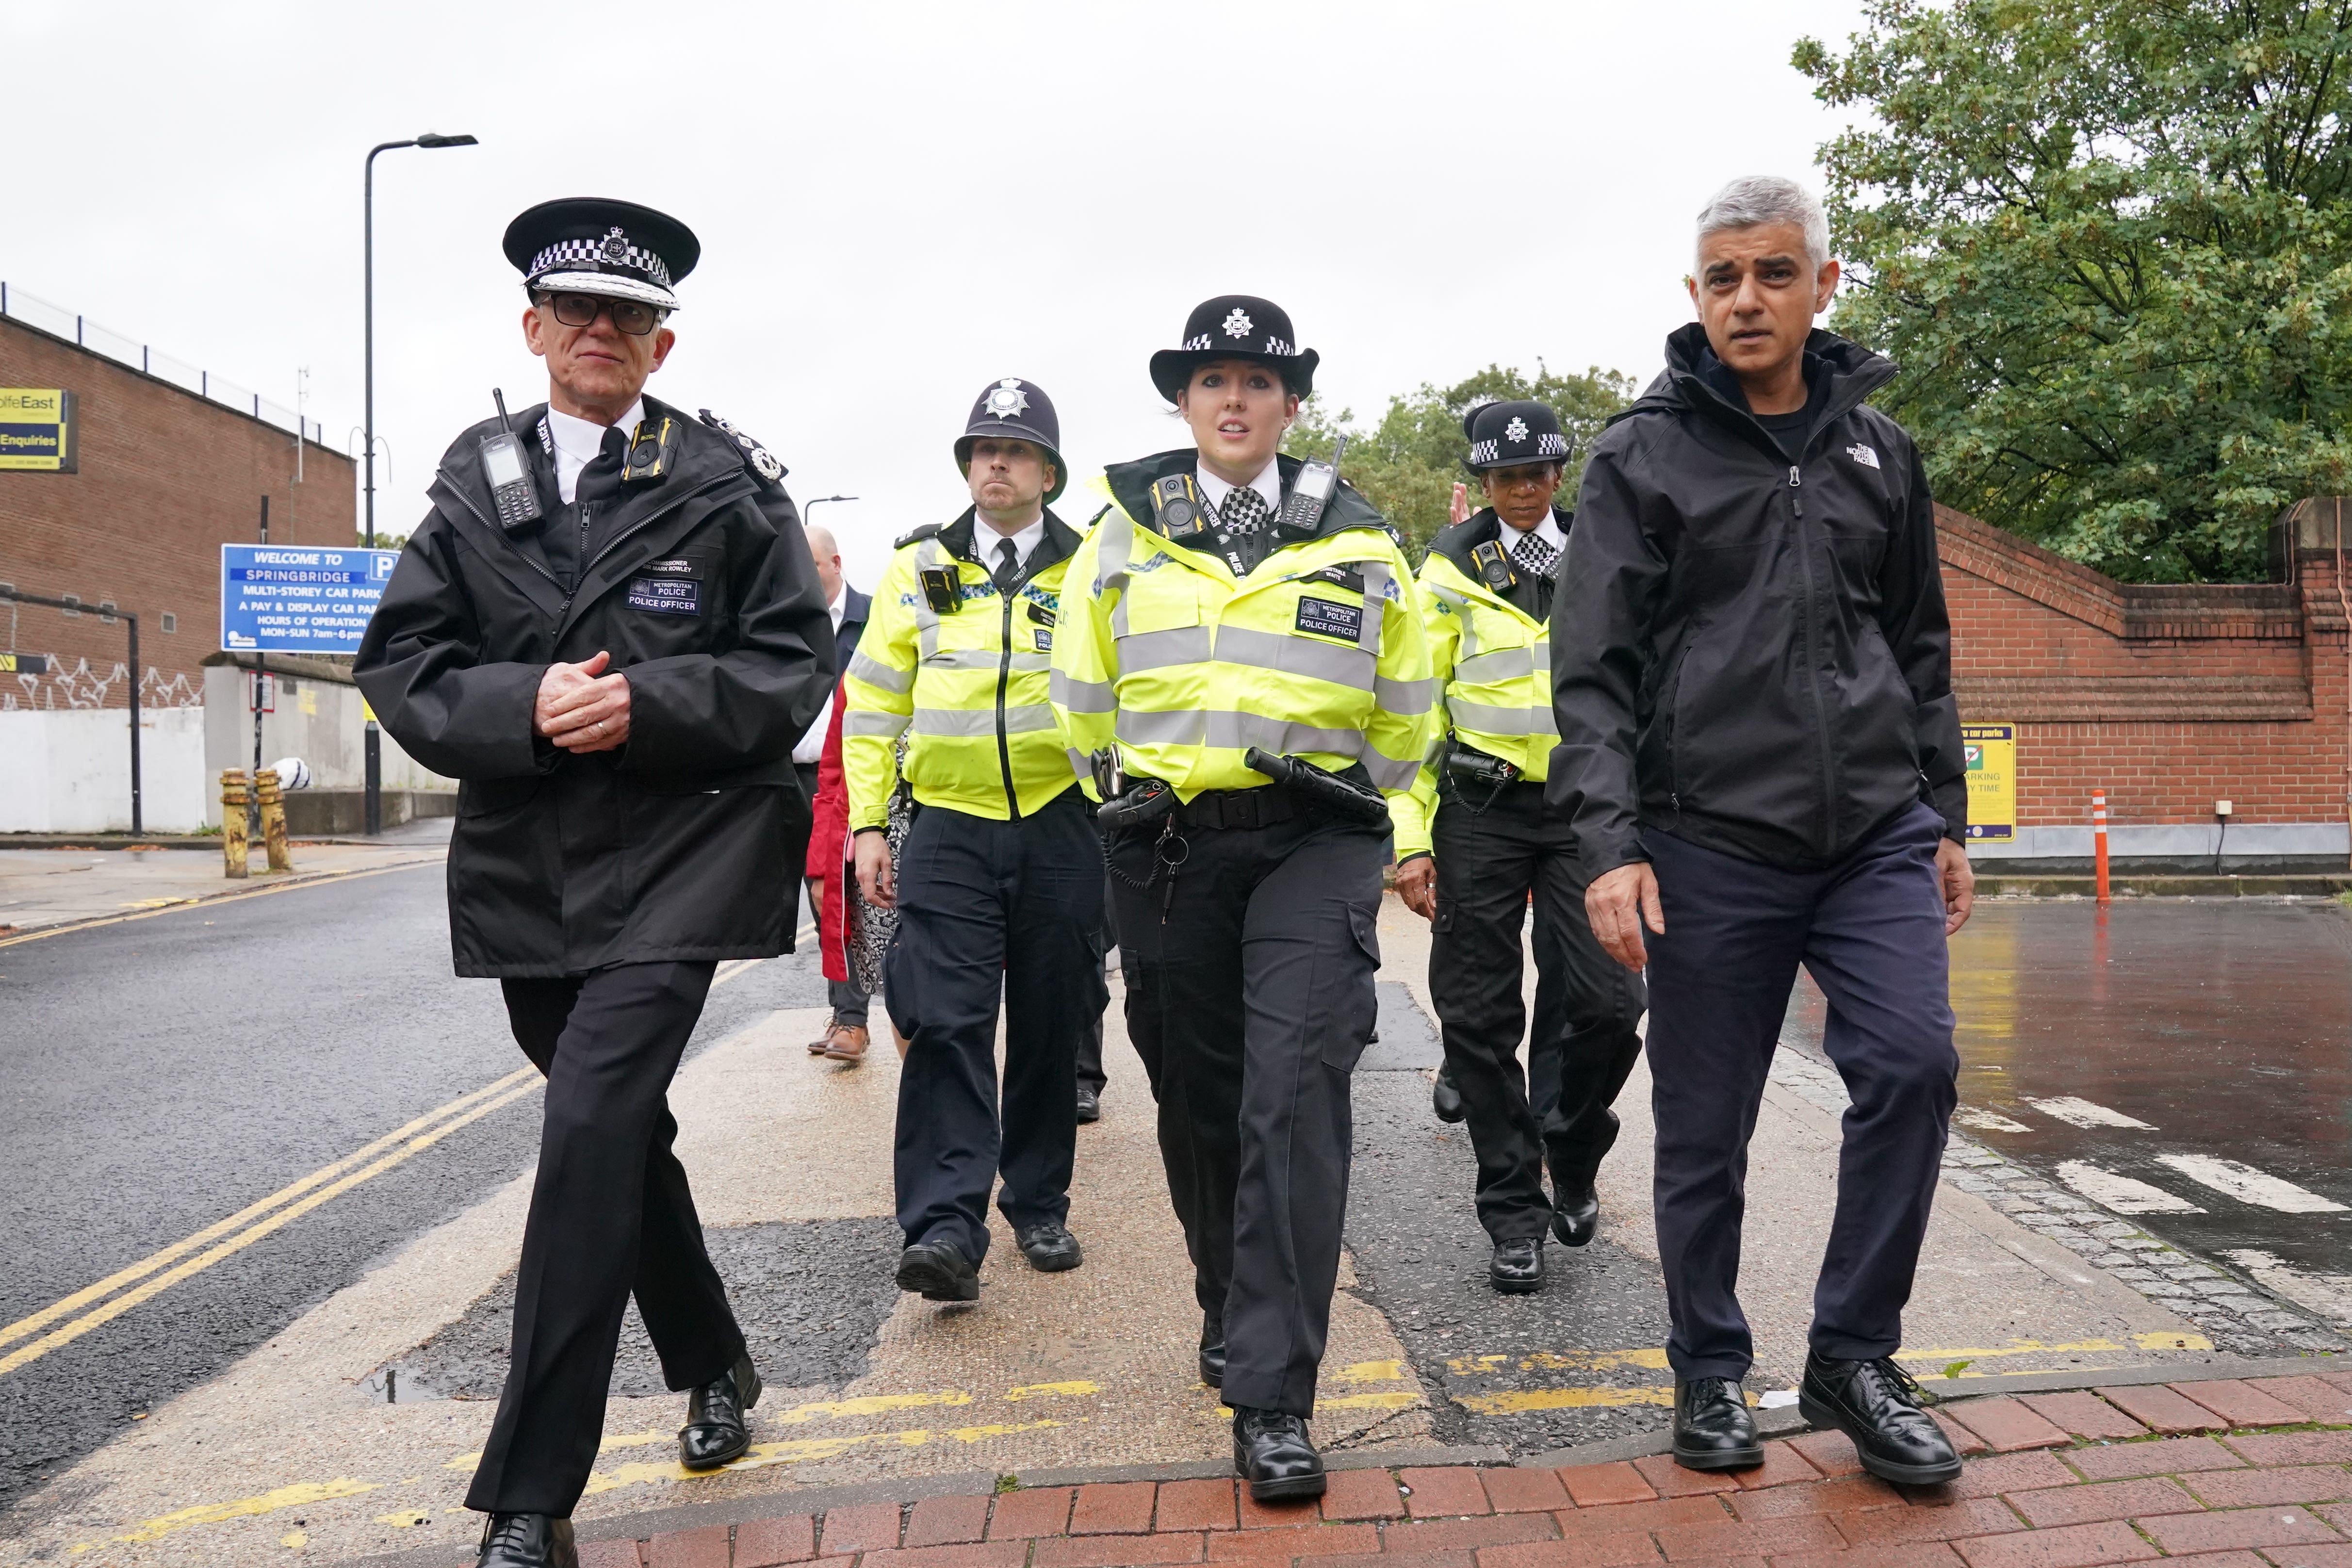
point(63, 1321)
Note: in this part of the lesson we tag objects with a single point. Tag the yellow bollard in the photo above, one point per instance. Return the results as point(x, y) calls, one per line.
point(233, 850)
point(273, 819)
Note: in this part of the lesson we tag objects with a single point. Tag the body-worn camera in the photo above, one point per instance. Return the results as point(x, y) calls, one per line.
point(943, 589)
point(1493, 566)
point(1176, 508)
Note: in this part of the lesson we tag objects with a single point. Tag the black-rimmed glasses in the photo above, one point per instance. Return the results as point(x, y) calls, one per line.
point(631, 316)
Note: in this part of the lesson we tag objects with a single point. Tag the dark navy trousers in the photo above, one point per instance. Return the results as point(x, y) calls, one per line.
point(992, 912)
point(1870, 930)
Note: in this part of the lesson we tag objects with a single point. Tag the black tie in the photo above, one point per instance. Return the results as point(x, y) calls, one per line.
point(571, 541)
point(1008, 566)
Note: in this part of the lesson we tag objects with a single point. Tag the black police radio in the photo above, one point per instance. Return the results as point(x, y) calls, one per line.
point(509, 475)
point(1312, 492)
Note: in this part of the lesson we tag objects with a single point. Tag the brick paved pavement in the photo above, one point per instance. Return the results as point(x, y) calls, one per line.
point(2225, 1474)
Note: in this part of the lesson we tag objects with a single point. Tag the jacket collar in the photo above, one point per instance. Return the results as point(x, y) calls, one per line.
point(1696, 381)
point(855, 607)
point(1456, 543)
point(1059, 543)
point(1130, 484)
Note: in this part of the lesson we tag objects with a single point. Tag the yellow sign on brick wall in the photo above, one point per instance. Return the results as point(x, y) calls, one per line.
point(1992, 751)
point(37, 429)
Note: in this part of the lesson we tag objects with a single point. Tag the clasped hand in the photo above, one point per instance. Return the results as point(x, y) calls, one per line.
point(581, 708)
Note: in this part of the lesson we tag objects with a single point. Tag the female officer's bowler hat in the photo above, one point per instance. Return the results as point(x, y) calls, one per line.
point(1235, 326)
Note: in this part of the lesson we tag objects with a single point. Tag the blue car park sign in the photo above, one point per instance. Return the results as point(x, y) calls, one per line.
point(293, 598)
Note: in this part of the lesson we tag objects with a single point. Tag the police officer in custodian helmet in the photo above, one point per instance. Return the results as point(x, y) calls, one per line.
point(609, 630)
point(1486, 593)
point(1240, 665)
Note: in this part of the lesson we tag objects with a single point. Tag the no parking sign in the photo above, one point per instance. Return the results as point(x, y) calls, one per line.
point(1991, 753)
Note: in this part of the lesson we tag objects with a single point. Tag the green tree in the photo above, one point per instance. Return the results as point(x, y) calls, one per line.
point(1408, 464)
point(2111, 247)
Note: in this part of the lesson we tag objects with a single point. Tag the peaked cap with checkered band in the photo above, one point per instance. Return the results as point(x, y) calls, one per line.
point(1235, 326)
point(595, 244)
point(1505, 435)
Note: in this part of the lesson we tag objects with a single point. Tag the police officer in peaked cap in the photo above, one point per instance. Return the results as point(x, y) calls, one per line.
point(1475, 843)
point(1241, 663)
point(609, 630)
point(999, 884)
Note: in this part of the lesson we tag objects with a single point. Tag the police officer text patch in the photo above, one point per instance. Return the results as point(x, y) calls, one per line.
point(1329, 620)
point(666, 596)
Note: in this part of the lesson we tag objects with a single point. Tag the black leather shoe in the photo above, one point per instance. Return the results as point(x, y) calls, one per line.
point(1713, 1428)
point(527, 1541)
point(1272, 1453)
point(1876, 1404)
point(1212, 1353)
point(1576, 1217)
point(1517, 1266)
point(715, 1431)
point(1089, 1105)
point(1445, 1100)
point(1050, 1247)
point(939, 1271)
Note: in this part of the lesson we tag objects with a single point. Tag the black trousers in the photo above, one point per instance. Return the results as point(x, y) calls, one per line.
point(1586, 1004)
point(991, 910)
point(1249, 997)
point(611, 1215)
point(1870, 930)
point(1090, 1058)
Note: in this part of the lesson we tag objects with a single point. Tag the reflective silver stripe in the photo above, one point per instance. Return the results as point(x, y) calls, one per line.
point(1118, 548)
point(1027, 718)
point(1235, 732)
point(1138, 727)
point(963, 658)
point(1407, 699)
point(1387, 771)
point(961, 722)
point(1377, 577)
point(873, 722)
point(1158, 650)
point(1467, 649)
point(1488, 720)
point(1503, 664)
point(1030, 663)
point(1334, 662)
point(873, 672)
point(1083, 696)
point(928, 554)
point(1078, 763)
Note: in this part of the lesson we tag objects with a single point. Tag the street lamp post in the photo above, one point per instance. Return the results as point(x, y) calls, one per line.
point(819, 500)
point(430, 139)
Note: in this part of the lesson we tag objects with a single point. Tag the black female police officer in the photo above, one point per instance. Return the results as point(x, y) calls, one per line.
point(609, 630)
point(1214, 624)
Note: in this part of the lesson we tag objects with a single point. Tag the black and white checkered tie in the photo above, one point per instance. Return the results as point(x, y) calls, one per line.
point(1535, 556)
point(1245, 512)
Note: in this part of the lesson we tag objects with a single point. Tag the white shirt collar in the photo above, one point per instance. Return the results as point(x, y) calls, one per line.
point(840, 605)
point(579, 442)
point(985, 538)
point(1548, 530)
point(1268, 484)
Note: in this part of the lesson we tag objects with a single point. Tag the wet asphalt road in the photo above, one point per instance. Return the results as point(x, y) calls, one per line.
point(157, 1076)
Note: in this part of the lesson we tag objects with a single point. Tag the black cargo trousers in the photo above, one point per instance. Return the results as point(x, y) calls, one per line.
point(1249, 997)
point(1492, 854)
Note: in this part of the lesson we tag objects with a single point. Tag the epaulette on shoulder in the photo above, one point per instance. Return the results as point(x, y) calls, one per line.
point(1098, 516)
point(916, 536)
point(756, 457)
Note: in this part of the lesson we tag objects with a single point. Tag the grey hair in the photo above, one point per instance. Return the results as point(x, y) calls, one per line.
point(1757, 199)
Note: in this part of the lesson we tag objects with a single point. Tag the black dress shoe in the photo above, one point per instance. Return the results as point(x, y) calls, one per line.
point(1713, 1430)
point(939, 1271)
point(1212, 1353)
point(1272, 1453)
point(1876, 1404)
point(715, 1431)
point(1517, 1266)
point(1575, 1216)
point(1050, 1247)
point(527, 1541)
point(1089, 1105)
point(1445, 1100)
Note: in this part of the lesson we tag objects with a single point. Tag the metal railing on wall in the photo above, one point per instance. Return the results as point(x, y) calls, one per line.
point(60, 322)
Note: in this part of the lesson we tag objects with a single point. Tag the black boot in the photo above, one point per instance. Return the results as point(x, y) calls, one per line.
point(1575, 1216)
point(1089, 1104)
point(1271, 1452)
point(1212, 1353)
point(1713, 1430)
point(527, 1541)
point(1445, 1100)
point(1517, 1266)
point(1876, 1404)
point(715, 1431)
point(1050, 1247)
point(939, 1271)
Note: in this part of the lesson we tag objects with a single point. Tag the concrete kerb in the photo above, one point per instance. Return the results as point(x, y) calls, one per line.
point(260, 882)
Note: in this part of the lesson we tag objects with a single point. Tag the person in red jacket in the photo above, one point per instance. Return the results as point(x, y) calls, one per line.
point(846, 1038)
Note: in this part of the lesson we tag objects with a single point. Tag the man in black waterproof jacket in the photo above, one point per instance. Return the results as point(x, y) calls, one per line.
point(1760, 752)
point(609, 630)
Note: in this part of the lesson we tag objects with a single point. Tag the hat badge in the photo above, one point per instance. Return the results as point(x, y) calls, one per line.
point(1517, 430)
point(616, 246)
point(1007, 399)
point(1238, 324)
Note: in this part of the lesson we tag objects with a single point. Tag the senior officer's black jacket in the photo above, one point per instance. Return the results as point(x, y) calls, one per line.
point(673, 847)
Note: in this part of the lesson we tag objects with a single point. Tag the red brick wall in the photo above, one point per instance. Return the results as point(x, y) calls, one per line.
point(166, 479)
point(2169, 698)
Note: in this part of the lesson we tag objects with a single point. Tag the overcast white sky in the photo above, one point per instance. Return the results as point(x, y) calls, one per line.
point(898, 203)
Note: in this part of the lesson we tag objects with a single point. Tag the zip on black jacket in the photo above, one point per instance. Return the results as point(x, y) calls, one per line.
point(1747, 654)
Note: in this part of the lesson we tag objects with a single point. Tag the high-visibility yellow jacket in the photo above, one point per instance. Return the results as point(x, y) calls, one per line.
point(1492, 661)
point(968, 687)
point(1317, 652)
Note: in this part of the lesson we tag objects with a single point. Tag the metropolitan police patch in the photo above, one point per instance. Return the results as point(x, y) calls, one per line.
point(1326, 620)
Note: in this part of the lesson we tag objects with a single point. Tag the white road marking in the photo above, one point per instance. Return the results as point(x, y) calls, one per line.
point(2121, 1193)
point(2248, 1185)
point(2077, 1112)
point(1989, 1122)
point(2328, 1295)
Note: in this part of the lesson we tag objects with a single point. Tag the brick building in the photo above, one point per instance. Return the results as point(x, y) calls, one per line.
point(167, 474)
point(2170, 698)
